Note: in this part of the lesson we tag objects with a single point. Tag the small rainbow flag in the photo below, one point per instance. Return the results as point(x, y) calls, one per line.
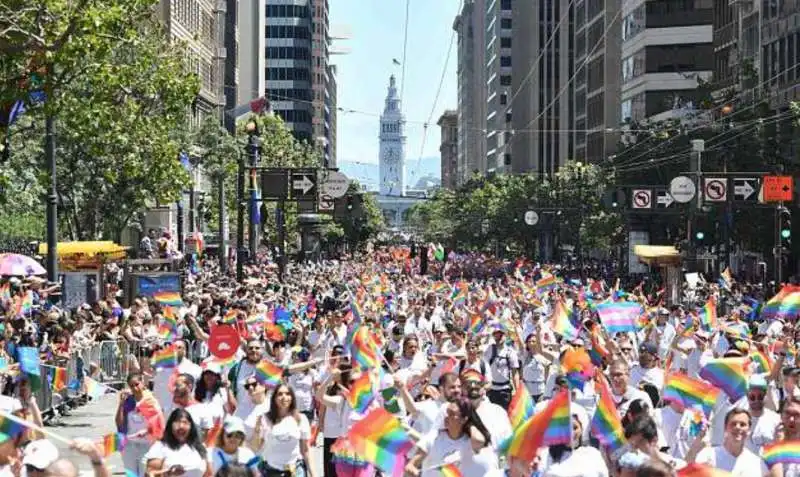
point(701, 470)
point(113, 443)
point(726, 279)
point(168, 298)
point(165, 358)
point(521, 407)
point(727, 374)
point(619, 316)
point(168, 328)
point(786, 452)
point(213, 433)
point(364, 349)
point(11, 428)
point(476, 324)
point(545, 284)
point(606, 423)
point(561, 323)
point(786, 304)
point(380, 439)
point(59, 379)
point(268, 373)
point(230, 317)
point(550, 426)
point(451, 470)
point(762, 361)
point(690, 392)
point(708, 315)
point(360, 394)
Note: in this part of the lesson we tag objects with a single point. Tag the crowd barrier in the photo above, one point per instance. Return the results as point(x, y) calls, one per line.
point(107, 362)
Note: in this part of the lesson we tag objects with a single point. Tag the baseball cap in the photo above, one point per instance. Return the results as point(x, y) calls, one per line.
point(40, 454)
point(472, 375)
point(758, 381)
point(648, 348)
point(233, 424)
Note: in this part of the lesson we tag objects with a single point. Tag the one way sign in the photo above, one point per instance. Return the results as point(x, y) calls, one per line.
point(746, 188)
point(304, 185)
point(664, 199)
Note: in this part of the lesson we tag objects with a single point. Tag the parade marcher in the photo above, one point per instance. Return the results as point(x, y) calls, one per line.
point(647, 370)
point(229, 449)
point(259, 404)
point(184, 398)
point(765, 421)
point(733, 456)
point(564, 460)
point(621, 391)
point(503, 364)
point(240, 373)
point(162, 376)
point(180, 452)
point(133, 424)
point(212, 391)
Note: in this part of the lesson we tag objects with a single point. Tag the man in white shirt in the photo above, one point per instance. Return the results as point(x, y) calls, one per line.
point(764, 421)
point(621, 392)
point(240, 372)
point(647, 369)
point(183, 397)
point(162, 376)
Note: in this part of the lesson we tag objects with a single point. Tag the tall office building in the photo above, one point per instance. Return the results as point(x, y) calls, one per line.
point(598, 45)
point(541, 96)
point(321, 79)
point(196, 23)
point(448, 148)
point(666, 52)
point(331, 109)
point(470, 27)
point(498, 83)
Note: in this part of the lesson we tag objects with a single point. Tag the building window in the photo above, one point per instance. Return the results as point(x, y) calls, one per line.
point(505, 42)
point(625, 111)
point(505, 80)
point(505, 61)
point(505, 5)
point(503, 99)
point(505, 23)
point(633, 23)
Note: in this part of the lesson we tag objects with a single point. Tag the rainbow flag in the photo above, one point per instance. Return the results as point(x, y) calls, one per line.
point(268, 373)
point(360, 394)
point(606, 423)
point(440, 287)
point(230, 317)
point(550, 426)
point(690, 392)
point(561, 323)
point(784, 305)
point(168, 328)
point(59, 379)
point(476, 324)
point(165, 358)
point(708, 315)
point(619, 316)
point(701, 470)
point(168, 298)
point(380, 439)
point(545, 284)
point(363, 349)
point(521, 407)
point(762, 361)
point(451, 470)
point(727, 374)
point(11, 428)
point(577, 367)
point(726, 279)
point(786, 452)
point(112, 443)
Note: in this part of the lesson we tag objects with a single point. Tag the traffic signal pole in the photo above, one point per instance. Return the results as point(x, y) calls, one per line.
point(778, 247)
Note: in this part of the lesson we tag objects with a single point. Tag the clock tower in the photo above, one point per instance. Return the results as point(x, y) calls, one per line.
point(392, 145)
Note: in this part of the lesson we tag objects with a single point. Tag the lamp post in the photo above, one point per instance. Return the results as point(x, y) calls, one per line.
point(253, 148)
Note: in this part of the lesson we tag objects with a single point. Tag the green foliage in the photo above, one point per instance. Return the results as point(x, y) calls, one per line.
point(490, 211)
point(363, 224)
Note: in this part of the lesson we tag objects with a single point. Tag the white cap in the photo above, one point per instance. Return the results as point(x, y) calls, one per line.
point(40, 454)
point(233, 424)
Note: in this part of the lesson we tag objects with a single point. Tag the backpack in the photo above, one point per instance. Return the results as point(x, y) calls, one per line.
point(463, 363)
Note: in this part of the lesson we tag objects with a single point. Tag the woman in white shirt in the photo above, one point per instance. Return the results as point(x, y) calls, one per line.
point(732, 456)
point(180, 452)
point(281, 437)
point(133, 424)
point(534, 367)
point(575, 459)
point(211, 391)
point(228, 450)
point(303, 383)
point(464, 436)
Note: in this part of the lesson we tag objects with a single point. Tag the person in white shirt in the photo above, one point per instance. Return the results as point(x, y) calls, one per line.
point(181, 451)
point(161, 377)
point(240, 372)
point(733, 456)
point(765, 421)
point(260, 402)
point(228, 449)
point(213, 391)
point(183, 398)
point(281, 436)
point(571, 460)
point(621, 392)
point(132, 424)
point(459, 442)
point(647, 369)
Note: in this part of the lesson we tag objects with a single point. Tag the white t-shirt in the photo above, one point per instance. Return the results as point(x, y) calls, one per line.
point(194, 465)
point(282, 440)
point(201, 415)
point(252, 418)
point(9, 404)
point(496, 420)
point(243, 403)
point(162, 377)
point(136, 424)
point(430, 414)
point(581, 462)
point(243, 456)
point(440, 449)
point(746, 464)
point(303, 385)
point(762, 430)
point(654, 376)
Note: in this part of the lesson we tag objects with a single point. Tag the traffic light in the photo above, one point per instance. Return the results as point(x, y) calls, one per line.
point(700, 236)
point(785, 224)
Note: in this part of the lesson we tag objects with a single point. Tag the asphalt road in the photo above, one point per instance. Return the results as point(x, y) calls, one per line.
point(95, 420)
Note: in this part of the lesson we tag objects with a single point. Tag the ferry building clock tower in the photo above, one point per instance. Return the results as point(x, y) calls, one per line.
point(392, 145)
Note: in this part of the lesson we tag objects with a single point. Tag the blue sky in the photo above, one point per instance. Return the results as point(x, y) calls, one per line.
point(375, 28)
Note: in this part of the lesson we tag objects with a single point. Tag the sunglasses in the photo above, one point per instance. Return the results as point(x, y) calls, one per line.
point(254, 348)
point(249, 386)
point(626, 350)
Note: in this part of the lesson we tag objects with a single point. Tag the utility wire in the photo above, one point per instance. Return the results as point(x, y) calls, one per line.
point(405, 50)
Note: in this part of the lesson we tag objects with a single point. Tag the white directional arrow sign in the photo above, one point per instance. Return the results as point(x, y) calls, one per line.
point(745, 187)
point(664, 199)
point(303, 185)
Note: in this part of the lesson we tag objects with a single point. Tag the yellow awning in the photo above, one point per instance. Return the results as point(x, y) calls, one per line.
point(657, 254)
point(86, 248)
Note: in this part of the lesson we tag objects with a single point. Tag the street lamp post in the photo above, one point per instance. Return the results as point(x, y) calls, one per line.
point(253, 148)
point(52, 199)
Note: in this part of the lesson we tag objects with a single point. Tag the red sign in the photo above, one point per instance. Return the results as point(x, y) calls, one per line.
point(223, 341)
point(778, 188)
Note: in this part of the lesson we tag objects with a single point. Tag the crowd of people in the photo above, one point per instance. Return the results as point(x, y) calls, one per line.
point(458, 345)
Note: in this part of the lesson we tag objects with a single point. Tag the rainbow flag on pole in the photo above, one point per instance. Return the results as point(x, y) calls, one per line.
point(728, 374)
point(786, 452)
point(268, 373)
point(360, 394)
point(168, 298)
point(561, 323)
point(521, 407)
point(113, 443)
point(381, 440)
point(165, 358)
point(784, 305)
point(689, 392)
point(551, 426)
point(606, 423)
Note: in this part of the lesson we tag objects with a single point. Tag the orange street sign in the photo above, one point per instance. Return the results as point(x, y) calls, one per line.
point(778, 188)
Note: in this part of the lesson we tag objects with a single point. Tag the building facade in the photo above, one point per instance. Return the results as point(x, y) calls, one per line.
point(252, 23)
point(392, 147)
point(498, 84)
point(448, 149)
point(470, 27)
point(598, 49)
point(331, 109)
point(542, 97)
point(666, 52)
